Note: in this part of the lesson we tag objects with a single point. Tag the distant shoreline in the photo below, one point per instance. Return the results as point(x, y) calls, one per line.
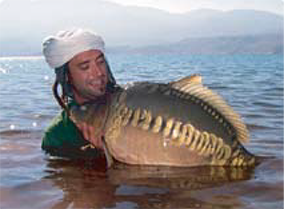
point(38, 57)
point(246, 44)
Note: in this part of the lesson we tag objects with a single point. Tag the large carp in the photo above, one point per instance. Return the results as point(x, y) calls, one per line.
point(181, 123)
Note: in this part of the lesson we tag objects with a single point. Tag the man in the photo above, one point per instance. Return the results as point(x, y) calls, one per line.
point(84, 75)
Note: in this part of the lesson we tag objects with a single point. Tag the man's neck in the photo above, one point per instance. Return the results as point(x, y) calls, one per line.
point(81, 100)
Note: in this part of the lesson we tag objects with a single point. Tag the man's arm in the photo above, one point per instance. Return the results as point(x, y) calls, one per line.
point(63, 139)
point(88, 133)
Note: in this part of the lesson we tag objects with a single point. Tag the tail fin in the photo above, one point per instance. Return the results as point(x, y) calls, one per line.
point(260, 159)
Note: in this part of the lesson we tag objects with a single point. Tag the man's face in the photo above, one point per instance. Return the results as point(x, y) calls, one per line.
point(88, 75)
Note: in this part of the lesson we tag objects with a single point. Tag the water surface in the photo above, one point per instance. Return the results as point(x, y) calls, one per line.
point(252, 84)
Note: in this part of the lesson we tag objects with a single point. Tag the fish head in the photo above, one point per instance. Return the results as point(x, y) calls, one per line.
point(93, 114)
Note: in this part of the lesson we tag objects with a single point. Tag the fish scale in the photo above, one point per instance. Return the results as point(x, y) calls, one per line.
point(176, 124)
point(176, 107)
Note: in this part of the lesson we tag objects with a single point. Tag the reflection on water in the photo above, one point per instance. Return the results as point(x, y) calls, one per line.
point(87, 184)
point(84, 183)
point(176, 178)
point(252, 84)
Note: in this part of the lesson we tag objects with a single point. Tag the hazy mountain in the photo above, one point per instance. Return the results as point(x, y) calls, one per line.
point(251, 44)
point(25, 23)
point(274, 6)
point(179, 6)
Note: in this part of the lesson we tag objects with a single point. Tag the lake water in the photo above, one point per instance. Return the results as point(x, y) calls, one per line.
point(252, 84)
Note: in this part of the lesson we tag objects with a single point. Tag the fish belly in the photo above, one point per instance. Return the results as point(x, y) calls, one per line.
point(154, 128)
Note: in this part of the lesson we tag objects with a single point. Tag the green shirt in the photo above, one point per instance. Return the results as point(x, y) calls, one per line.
point(62, 138)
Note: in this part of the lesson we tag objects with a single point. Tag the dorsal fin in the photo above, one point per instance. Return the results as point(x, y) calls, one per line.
point(197, 79)
point(192, 85)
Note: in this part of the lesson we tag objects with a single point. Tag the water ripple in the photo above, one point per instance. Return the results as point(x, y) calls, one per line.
point(252, 84)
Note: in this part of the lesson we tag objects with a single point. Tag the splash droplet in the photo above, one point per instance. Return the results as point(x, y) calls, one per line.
point(3, 71)
point(12, 127)
point(37, 116)
point(46, 77)
point(34, 124)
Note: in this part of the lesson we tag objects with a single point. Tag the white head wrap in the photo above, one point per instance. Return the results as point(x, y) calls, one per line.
point(61, 48)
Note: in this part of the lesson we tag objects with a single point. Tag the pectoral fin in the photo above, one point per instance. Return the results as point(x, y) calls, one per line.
point(109, 158)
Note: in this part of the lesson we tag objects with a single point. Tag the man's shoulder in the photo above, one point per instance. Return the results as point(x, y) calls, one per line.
point(63, 139)
point(61, 121)
point(58, 122)
point(62, 131)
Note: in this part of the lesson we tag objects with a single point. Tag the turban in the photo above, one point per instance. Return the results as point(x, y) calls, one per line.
point(61, 48)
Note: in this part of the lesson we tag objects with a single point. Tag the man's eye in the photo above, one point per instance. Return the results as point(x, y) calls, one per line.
point(100, 61)
point(84, 67)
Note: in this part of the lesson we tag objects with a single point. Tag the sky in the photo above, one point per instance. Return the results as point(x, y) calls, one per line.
point(181, 6)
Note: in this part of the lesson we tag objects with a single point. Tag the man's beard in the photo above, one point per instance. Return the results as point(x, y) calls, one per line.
point(89, 94)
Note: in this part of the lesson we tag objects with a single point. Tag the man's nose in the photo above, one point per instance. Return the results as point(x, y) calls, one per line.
point(97, 71)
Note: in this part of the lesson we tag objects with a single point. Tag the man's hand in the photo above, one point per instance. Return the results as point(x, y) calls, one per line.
point(88, 133)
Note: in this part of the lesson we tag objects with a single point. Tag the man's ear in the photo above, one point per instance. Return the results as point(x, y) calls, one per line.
point(68, 76)
point(64, 78)
point(110, 76)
